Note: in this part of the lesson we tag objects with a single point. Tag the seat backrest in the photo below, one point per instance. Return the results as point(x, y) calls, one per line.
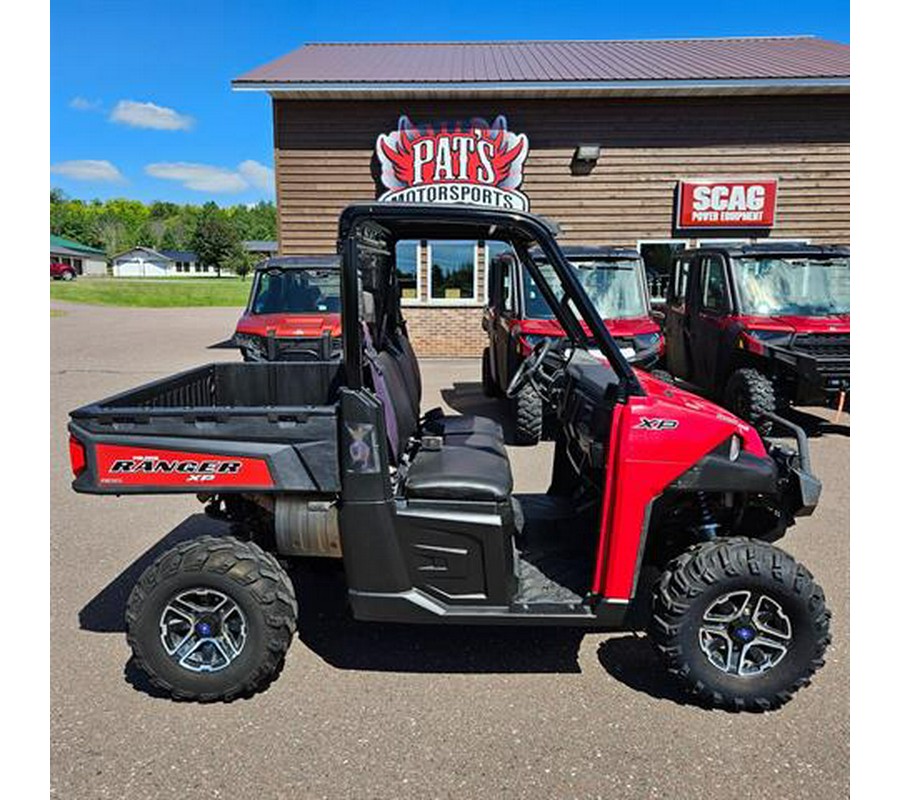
point(400, 348)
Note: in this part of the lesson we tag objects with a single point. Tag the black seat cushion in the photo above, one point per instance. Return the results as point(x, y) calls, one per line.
point(479, 441)
point(459, 473)
point(462, 425)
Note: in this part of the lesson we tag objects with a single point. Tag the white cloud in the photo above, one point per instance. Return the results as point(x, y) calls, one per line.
point(218, 180)
point(200, 177)
point(259, 176)
point(87, 170)
point(150, 115)
point(83, 104)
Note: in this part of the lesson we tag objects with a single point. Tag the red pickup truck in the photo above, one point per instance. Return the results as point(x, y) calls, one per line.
point(294, 310)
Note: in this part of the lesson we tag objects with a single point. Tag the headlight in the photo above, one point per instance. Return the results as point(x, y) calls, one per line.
point(734, 450)
point(646, 341)
point(250, 342)
point(770, 337)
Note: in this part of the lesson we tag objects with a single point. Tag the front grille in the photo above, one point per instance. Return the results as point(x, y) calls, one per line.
point(834, 345)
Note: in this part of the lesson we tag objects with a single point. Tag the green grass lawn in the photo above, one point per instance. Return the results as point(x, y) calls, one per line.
point(154, 293)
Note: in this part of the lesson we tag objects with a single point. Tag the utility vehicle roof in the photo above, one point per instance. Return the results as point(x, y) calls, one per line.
point(773, 248)
point(300, 262)
point(596, 251)
point(444, 221)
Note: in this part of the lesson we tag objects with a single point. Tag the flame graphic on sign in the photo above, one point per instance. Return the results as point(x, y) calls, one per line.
point(479, 153)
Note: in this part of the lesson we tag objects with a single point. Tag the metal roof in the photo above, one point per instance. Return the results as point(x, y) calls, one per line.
point(772, 248)
point(261, 245)
point(300, 262)
point(179, 255)
point(658, 65)
point(59, 243)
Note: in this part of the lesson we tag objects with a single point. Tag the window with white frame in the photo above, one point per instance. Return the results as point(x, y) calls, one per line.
point(658, 255)
point(407, 260)
point(451, 271)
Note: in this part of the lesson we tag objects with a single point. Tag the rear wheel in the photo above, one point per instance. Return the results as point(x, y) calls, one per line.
point(751, 395)
point(488, 384)
point(740, 623)
point(212, 619)
point(68, 275)
point(528, 411)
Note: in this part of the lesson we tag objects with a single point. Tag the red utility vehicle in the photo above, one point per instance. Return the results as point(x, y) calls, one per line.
point(62, 272)
point(660, 506)
point(761, 326)
point(517, 317)
point(294, 310)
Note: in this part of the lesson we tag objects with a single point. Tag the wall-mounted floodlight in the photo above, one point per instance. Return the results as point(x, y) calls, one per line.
point(585, 158)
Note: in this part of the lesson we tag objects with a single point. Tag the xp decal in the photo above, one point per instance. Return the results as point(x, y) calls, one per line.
point(657, 424)
point(476, 164)
point(135, 465)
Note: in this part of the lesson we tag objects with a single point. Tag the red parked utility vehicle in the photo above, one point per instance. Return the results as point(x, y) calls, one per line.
point(294, 310)
point(762, 326)
point(655, 496)
point(517, 317)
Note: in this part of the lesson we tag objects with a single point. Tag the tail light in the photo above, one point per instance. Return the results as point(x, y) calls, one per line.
point(77, 456)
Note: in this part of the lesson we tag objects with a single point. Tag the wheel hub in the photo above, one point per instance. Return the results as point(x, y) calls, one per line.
point(745, 633)
point(203, 630)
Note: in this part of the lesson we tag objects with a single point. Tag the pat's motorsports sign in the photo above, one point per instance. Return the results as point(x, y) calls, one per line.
point(476, 163)
point(727, 203)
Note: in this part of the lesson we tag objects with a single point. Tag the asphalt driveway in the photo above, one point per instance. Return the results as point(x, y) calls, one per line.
point(380, 711)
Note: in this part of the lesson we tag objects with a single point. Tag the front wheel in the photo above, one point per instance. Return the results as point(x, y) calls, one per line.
point(528, 413)
point(740, 623)
point(68, 275)
point(212, 619)
point(751, 395)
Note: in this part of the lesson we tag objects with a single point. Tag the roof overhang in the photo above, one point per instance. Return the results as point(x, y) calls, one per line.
point(659, 88)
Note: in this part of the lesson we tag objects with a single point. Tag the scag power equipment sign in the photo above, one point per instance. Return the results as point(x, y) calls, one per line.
point(477, 163)
point(727, 203)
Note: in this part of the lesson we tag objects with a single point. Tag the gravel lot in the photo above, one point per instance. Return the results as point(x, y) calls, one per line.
point(364, 710)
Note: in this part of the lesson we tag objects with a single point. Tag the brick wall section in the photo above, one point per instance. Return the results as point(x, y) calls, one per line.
point(446, 331)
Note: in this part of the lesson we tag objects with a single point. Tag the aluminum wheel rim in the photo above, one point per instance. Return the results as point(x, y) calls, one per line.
point(745, 633)
point(202, 630)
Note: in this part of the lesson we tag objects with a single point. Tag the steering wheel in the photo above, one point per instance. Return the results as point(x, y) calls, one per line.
point(529, 367)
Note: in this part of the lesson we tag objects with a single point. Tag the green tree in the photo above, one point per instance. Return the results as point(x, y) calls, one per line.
point(239, 261)
point(214, 239)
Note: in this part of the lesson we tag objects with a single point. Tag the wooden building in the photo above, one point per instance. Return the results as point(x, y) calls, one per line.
point(606, 135)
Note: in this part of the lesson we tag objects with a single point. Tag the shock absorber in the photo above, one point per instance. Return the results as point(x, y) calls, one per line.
point(708, 528)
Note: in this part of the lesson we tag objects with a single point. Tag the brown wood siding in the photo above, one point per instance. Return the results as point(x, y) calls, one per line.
point(324, 160)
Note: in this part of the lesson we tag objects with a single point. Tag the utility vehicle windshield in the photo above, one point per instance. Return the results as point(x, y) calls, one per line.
point(615, 287)
point(297, 291)
point(805, 285)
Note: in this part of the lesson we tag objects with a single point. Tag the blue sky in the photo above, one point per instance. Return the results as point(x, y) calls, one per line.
point(140, 91)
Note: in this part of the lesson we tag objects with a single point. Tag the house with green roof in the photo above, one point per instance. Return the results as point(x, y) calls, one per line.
point(83, 259)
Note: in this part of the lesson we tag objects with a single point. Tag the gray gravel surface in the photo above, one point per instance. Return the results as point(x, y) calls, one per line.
point(378, 711)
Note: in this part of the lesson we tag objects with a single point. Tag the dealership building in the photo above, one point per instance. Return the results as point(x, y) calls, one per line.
point(657, 145)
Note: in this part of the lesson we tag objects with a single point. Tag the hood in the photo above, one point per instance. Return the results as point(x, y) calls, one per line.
point(836, 323)
point(667, 394)
point(617, 327)
point(288, 325)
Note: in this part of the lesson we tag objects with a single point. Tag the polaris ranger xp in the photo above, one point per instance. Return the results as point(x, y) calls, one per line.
point(655, 495)
point(762, 326)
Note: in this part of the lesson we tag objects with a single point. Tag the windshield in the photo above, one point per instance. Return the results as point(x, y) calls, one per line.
point(613, 286)
point(804, 285)
point(306, 291)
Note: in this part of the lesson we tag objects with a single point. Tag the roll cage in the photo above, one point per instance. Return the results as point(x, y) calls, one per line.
point(368, 232)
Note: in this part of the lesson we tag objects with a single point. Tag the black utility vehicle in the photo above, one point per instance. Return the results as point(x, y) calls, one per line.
point(761, 326)
point(650, 486)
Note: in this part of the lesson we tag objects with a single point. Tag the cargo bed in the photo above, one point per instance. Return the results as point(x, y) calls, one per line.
point(219, 427)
